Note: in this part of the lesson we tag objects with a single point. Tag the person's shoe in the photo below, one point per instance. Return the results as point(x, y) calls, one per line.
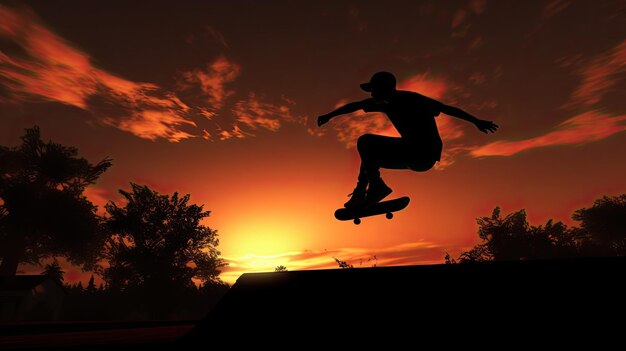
point(357, 198)
point(376, 192)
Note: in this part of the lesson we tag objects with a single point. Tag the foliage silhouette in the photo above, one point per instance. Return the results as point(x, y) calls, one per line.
point(55, 271)
point(115, 305)
point(512, 238)
point(343, 264)
point(604, 226)
point(159, 245)
point(448, 259)
point(280, 268)
point(91, 286)
point(43, 210)
point(78, 287)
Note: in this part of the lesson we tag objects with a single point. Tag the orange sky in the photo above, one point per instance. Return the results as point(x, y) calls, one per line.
point(219, 100)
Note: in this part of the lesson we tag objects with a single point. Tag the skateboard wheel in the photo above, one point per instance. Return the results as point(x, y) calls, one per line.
point(389, 215)
point(357, 221)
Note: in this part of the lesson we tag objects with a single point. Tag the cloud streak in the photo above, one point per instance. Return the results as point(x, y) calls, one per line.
point(586, 127)
point(48, 67)
point(44, 66)
point(553, 8)
point(254, 113)
point(601, 75)
point(234, 132)
point(213, 80)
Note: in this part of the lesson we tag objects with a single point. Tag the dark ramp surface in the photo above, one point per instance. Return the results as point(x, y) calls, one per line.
point(568, 299)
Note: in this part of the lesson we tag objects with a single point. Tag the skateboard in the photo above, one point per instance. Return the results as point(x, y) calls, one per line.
point(386, 207)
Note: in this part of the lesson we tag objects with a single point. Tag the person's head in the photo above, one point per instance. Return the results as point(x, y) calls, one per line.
point(381, 85)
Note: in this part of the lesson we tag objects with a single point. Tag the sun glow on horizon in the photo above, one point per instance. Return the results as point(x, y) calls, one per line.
point(266, 235)
point(252, 263)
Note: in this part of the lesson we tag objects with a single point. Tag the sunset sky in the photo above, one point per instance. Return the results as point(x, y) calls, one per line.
point(219, 99)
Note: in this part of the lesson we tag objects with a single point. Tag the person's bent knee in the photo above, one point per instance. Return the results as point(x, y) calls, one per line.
point(423, 166)
point(364, 141)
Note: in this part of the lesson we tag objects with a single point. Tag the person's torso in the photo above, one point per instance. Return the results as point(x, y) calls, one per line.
point(413, 115)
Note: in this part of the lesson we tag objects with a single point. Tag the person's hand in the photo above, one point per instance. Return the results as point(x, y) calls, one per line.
point(486, 126)
point(321, 120)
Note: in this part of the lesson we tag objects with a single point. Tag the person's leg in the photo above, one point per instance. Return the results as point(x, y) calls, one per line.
point(371, 148)
point(422, 164)
point(357, 197)
point(378, 151)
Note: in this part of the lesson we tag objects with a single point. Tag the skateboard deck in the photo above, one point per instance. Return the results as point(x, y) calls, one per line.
point(386, 207)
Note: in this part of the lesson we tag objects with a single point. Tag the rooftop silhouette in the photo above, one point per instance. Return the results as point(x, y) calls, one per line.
point(405, 304)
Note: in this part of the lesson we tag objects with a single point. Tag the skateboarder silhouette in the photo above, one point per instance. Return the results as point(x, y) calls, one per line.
point(419, 146)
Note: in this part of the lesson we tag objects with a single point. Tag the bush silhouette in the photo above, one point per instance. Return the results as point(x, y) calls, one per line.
point(601, 233)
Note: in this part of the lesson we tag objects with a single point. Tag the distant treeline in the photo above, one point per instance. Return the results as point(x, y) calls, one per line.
point(601, 233)
point(136, 304)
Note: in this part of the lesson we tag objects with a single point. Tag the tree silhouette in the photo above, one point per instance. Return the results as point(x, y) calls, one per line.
point(342, 264)
point(448, 259)
point(604, 226)
point(43, 211)
point(601, 233)
point(91, 286)
point(280, 268)
point(512, 238)
point(55, 271)
point(159, 242)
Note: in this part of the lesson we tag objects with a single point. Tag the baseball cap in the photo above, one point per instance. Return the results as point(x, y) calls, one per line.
point(380, 79)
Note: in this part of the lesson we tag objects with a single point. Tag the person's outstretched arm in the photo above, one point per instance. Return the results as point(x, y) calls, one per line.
point(483, 126)
point(348, 108)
